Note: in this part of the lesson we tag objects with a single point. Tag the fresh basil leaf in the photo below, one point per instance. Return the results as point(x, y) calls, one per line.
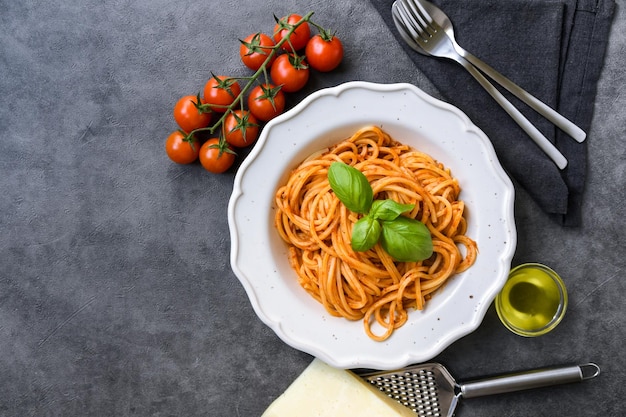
point(388, 209)
point(365, 233)
point(351, 187)
point(406, 240)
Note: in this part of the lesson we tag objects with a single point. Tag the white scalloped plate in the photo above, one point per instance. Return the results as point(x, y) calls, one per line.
point(259, 256)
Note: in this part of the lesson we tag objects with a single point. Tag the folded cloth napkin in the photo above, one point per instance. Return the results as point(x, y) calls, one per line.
point(554, 49)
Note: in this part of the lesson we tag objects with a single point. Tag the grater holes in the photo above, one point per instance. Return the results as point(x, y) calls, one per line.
point(416, 390)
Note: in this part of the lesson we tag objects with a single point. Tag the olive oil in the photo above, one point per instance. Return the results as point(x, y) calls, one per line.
point(532, 301)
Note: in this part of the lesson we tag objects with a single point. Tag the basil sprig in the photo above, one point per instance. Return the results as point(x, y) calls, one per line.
point(405, 239)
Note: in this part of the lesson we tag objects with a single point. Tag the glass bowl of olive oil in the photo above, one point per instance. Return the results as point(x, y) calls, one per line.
point(533, 300)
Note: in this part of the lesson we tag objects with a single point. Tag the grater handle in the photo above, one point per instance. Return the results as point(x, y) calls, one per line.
point(528, 380)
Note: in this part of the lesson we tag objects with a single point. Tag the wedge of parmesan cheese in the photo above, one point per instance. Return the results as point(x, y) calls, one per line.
point(324, 391)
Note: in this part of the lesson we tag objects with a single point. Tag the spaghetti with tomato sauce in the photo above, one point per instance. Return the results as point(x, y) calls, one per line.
point(370, 285)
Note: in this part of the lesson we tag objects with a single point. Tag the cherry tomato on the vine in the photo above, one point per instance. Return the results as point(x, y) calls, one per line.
point(240, 128)
point(291, 72)
point(298, 38)
point(216, 157)
point(324, 52)
point(181, 148)
point(188, 116)
point(266, 101)
point(255, 49)
point(220, 92)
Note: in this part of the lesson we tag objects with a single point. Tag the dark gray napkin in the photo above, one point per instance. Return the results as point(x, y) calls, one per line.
point(552, 48)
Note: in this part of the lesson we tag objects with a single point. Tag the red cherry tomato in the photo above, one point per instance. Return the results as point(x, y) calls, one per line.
point(266, 101)
point(220, 92)
point(324, 52)
point(181, 149)
point(298, 38)
point(255, 49)
point(291, 72)
point(216, 157)
point(240, 128)
point(188, 116)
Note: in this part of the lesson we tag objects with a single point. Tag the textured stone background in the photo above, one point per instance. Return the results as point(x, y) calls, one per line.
point(116, 294)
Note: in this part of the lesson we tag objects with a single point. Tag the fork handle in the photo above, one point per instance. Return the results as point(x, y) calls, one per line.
point(548, 112)
point(534, 133)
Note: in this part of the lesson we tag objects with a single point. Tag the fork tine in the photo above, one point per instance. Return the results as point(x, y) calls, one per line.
point(420, 14)
point(414, 21)
point(403, 19)
point(408, 21)
point(412, 15)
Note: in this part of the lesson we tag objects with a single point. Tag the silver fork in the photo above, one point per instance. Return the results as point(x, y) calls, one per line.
point(419, 31)
point(439, 17)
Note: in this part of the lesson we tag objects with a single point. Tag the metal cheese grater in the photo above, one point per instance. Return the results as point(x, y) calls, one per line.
point(431, 391)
